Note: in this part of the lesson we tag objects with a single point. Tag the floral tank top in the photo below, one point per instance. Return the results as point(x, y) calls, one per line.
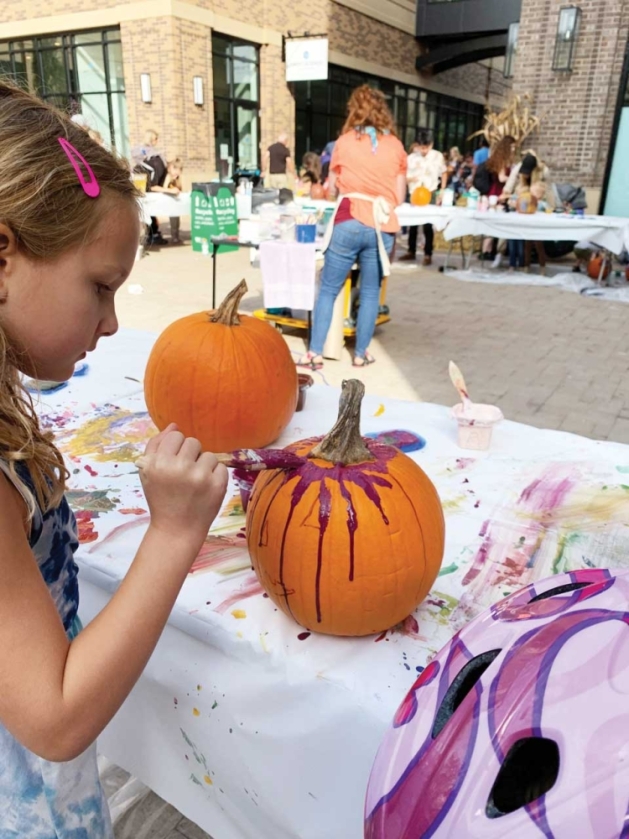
point(40, 799)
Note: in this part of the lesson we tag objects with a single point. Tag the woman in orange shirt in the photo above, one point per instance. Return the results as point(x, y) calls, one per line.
point(368, 173)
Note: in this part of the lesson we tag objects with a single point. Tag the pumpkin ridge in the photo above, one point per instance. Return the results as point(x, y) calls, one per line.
point(412, 506)
point(281, 569)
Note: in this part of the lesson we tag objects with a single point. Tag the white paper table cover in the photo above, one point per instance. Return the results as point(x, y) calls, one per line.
point(606, 231)
point(253, 728)
point(164, 205)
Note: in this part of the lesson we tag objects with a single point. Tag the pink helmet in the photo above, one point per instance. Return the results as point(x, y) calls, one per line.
point(519, 727)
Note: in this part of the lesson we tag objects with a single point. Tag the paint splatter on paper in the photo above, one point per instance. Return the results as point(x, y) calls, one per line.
point(118, 434)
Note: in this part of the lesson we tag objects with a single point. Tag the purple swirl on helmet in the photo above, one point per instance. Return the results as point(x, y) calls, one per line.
point(424, 793)
point(516, 696)
point(522, 606)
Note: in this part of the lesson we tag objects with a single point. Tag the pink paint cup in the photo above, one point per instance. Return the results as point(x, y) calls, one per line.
point(476, 425)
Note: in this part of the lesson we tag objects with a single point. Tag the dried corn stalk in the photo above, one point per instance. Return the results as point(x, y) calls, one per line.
point(516, 120)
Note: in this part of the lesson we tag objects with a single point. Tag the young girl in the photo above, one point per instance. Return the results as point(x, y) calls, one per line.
point(69, 227)
point(172, 186)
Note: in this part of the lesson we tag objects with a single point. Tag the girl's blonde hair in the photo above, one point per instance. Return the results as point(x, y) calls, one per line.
point(368, 106)
point(44, 205)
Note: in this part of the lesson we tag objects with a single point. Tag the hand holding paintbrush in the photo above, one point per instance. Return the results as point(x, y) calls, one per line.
point(252, 460)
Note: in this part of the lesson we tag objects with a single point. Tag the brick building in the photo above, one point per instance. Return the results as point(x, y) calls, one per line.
point(571, 59)
point(90, 55)
point(580, 106)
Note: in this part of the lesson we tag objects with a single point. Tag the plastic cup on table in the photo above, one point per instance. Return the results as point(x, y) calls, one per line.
point(476, 425)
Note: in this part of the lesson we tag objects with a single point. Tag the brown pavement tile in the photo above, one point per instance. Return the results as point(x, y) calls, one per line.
point(620, 431)
point(544, 355)
point(189, 830)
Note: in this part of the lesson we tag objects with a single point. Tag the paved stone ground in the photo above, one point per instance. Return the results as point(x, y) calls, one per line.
point(547, 357)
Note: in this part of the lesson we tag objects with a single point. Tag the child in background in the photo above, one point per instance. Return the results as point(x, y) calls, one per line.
point(529, 192)
point(69, 227)
point(172, 186)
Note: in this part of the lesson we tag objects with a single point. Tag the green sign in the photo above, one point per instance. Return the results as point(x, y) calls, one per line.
point(213, 213)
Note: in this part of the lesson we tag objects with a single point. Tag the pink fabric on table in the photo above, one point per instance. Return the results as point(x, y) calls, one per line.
point(288, 275)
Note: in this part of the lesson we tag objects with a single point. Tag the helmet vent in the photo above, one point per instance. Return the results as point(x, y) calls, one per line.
point(558, 590)
point(529, 770)
point(464, 682)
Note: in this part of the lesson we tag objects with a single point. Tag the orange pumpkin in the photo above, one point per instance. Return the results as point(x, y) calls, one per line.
point(227, 379)
point(317, 193)
point(352, 541)
point(421, 196)
point(598, 260)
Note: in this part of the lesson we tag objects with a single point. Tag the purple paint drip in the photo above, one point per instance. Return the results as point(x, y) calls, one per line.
point(367, 476)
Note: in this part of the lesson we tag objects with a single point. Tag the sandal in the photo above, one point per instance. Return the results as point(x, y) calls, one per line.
point(366, 360)
point(309, 361)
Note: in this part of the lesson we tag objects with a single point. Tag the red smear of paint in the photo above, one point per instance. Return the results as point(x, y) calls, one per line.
point(85, 525)
point(381, 637)
point(303, 635)
point(132, 511)
point(250, 588)
point(122, 528)
point(91, 471)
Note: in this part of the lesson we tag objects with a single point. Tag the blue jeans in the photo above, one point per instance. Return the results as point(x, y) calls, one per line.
point(351, 241)
point(516, 253)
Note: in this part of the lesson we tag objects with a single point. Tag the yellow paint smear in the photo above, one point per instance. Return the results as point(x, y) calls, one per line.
point(208, 780)
point(196, 712)
point(380, 411)
point(120, 436)
point(263, 643)
point(239, 614)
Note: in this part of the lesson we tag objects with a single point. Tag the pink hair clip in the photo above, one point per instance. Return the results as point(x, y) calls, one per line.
point(90, 187)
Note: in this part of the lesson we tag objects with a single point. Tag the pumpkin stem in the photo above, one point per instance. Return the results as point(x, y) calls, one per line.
point(344, 444)
point(227, 312)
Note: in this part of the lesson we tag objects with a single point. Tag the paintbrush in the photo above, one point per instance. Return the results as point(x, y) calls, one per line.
point(253, 460)
point(456, 377)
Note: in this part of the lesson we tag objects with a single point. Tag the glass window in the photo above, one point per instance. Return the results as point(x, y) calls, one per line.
point(320, 120)
point(236, 99)
point(90, 68)
point(116, 66)
point(73, 72)
point(120, 121)
point(49, 43)
point(221, 73)
point(247, 122)
point(220, 45)
point(90, 37)
point(246, 52)
point(245, 80)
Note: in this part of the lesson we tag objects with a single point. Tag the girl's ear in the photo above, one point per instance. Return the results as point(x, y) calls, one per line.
point(8, 250)
point(8, 244)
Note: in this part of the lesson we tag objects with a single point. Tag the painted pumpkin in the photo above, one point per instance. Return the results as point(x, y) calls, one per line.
point(421, 196)
point(317, 192)
point(352, 541)
point(598, 260)
point(227, 379)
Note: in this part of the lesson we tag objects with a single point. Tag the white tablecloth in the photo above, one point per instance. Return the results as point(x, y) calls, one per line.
point(607, 231)
point(252, 727)
point(163, 204)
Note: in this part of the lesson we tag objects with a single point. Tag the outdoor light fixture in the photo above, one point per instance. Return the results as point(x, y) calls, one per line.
point(197, 87)
point(565, 40)
point(512, 46)
point(145, 87)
